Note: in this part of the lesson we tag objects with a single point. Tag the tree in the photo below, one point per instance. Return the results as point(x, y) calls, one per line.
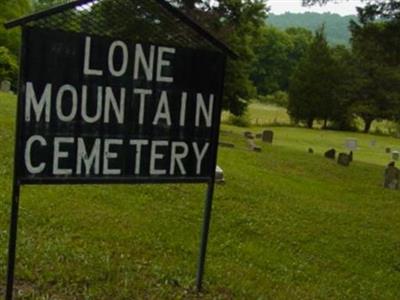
point(345, 79)
point(312, 86)
point(373, 10)
point(376, 61)
point(272, 67)
point(10, 10)
point(377, 92)
point(238, 23)
point(8, 66)
point(44, 4)
point(277, 54)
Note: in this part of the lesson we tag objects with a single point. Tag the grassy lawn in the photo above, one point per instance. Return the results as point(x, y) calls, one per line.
point(286, 225)
point(261, 114)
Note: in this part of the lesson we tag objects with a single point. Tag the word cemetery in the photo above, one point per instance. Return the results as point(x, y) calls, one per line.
point(97, 107)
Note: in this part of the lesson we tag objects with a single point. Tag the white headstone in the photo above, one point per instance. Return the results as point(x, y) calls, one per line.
point(5, 86)
point(395, 155)
point(219, 174)
point(351, 144)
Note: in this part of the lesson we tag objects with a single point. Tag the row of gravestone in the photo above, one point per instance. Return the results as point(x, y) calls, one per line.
point(351, 144)
point(343, 159)
point(267, 136)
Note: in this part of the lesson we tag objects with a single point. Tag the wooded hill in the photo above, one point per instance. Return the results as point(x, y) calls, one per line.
point(336, 26)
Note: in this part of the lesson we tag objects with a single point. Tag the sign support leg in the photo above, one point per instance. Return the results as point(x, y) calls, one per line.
point(12, 245)
point(204, 235)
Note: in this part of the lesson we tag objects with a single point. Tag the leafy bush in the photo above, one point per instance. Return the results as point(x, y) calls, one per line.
point(241, 121)
point(8, 66)
point(279, 98)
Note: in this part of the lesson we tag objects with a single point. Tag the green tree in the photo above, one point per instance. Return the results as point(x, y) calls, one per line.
point(377, 92)
point(376, 61)
point(44, 4)
point(238, 23)
point(272, 67)
point(301, 39)
point(8, 66)
point(10, 10)
point(277, 54)
point(311, 90)
point(345, 78)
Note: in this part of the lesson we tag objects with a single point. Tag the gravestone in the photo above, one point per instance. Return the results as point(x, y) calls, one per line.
point(248, 135)
point(5, 86)
point(351, 144)
point(391, 178)
point(268, 136)
point(372, 143)
point(252, 146)
point(310, 150)
point(395, 155)
point(227, 145)
point(344, 159)
point(219, 175)
point(388, 150)
point(331, 153)
point(226, 132)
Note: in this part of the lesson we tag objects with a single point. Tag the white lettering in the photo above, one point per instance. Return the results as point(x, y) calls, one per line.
point(199, 155)
point(28, 148)
point(109, 155)
point(138, 144)
point(143, 93)
point(161, 63)
point(207, 113)
point(91, 160)
point(157, 156)
point(182, 117)
point(38, 106)
point(86, 67)
point(163, 110)
point(112, 101)
point(60, 154)
point(147, 65)
point(176, 158)
point(111, 53)
point(74, 103)
point(99, 106)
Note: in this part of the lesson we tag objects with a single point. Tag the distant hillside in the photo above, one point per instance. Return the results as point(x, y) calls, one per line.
point(336, 26)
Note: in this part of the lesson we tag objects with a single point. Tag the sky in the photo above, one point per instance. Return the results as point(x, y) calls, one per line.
point(340, 7)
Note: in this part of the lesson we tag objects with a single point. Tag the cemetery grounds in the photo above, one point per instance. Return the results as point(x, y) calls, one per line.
point(286, 224)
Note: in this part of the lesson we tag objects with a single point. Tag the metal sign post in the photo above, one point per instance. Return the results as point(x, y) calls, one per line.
point(12, 241)
point(101, 110)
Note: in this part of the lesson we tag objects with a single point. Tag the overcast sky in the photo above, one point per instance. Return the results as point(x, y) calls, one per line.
point(340, 7)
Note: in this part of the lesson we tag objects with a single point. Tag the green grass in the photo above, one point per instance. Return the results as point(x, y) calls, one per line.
point(261, 115)
point(286, 225)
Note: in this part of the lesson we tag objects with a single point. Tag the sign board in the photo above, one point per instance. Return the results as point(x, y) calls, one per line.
point(96, 109)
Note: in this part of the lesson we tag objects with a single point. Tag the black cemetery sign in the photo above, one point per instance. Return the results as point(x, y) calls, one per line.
point(95, 107)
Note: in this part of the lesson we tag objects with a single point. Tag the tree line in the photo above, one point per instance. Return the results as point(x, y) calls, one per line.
point(293, 67)
point(336, 26)
point(337, 84)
